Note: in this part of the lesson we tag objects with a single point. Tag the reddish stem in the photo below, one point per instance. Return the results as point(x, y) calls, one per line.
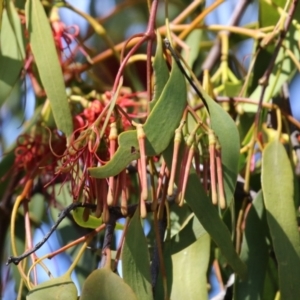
point(186, 173)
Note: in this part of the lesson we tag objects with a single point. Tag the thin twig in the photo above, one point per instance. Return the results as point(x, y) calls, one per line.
point(62, 215)
point(215, 51)
point(190, 80)
point(264, 81)
point(114, 212)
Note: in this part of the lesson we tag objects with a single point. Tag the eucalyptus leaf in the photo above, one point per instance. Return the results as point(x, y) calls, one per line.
point(135, 260)
point(1, 12)
point(46, 58)
point(270, 281)
point(254, 252)
point(11, 52)
point(278, 192)
point(161, 72)
point(186, 258)
point(189, 270)
point(193, 43)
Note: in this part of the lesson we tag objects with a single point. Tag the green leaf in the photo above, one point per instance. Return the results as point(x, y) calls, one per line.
point(254, 252)
point(105, 285)
point(268, 14)
point(161, 71)
point(271, 280)
point(189, 234)
point(192, 41)
point(93, 222)
point(127, 151)
point(208, 216)
point(228, 135)
point(5, 165)
point(278, 191)
point(61, 288)
point(186, 259)
point(1, 12)
point(165, 115)
point(189, 270)
point(12, 51)
point(45, 55)
point(135, 260)
point(232, 89)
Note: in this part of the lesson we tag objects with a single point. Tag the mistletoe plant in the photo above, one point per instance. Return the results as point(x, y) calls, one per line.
point(153, 135)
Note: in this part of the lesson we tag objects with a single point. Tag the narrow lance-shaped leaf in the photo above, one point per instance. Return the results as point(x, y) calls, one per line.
point(1, 12)
point(135, 260)
point(278, 191)
point(254, 252)
point(161, 72)
point(11, 53)
point(186, 259)
point(46, 58)
point(189, 270)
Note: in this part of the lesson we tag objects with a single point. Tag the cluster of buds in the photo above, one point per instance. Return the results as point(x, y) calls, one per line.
point(211, 167)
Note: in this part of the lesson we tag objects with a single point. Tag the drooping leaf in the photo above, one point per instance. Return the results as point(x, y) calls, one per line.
point(186, 259)
point(1, 12)
point(15, 23)
point(254, 252)
point(128, 151)
point(192, 41)
point(189, 270)
point(271, 286)
point(46, 58)
point(105, 285)
point(278, 189)
point(135, 260)
point(60, 288)
point(165, 116)
point(167, 113)
point(11, 52)
point(93, 222)
point(161, 72)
